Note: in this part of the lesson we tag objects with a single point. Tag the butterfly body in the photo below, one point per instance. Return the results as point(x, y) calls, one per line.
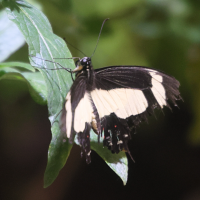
point(113, 101)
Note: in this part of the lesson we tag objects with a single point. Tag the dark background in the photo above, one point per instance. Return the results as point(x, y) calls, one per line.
point(160, 34)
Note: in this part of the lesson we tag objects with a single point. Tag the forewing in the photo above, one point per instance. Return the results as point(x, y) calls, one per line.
point(73, 99)
point(133, 90)
point(108, 78)
point(79, 115)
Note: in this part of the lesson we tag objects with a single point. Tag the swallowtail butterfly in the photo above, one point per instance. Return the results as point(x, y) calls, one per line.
point(113, 101)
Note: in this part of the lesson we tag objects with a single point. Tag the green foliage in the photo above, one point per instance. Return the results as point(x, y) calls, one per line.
point(45, 45)
point(117, 162)
point(51, 85)
point(11, 37)
point(35, 81)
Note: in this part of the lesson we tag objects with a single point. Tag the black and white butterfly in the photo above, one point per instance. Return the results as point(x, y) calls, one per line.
point(113, 101)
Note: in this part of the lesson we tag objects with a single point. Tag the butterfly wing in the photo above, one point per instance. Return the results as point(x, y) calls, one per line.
point(156, 87)
point(126, 95)
point(115, 102)
point(79, 115)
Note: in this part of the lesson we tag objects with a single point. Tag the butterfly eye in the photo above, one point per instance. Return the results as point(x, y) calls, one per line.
point(85, 61)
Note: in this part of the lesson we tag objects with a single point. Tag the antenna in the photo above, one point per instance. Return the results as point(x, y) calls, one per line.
point(68, 58)
point(73, 46)
point(99, 35)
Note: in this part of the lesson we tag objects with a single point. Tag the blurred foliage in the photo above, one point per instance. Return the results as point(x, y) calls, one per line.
point(35, 81)
point(162, 34)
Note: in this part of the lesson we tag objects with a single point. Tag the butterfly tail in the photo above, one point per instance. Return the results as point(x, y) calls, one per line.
point(116, 134)
point(84, 141)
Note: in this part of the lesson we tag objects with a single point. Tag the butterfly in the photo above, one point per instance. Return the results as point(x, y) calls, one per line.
point(112, 101)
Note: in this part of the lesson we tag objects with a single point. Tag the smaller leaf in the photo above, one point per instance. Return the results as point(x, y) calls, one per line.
point(59, 150)
point(11, 37)
point(35, 81)
point(117, 162)
point(17, 64)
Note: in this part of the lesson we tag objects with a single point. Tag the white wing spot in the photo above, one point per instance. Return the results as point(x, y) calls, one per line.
point(68, 114)
point(122, 101)
point(83, 113)
point(158, 89)
point(120, 142)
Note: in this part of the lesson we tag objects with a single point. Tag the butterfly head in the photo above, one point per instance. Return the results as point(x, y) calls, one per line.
point(85, 61)
point(83, 64)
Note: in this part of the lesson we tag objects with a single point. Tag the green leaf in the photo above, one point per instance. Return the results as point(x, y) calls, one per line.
point(11, 37)
point(117, 162)
point(59, 150)
point(45, 45)
point(17, 64)
point(35, 81)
